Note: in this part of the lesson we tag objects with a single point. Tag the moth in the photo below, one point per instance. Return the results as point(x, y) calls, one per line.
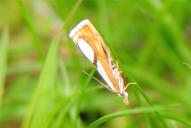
point(91, 44)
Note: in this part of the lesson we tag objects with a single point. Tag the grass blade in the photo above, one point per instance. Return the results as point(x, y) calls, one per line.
point(37, 42)
point(44, 94)
point(3, 61)
point(125, 113)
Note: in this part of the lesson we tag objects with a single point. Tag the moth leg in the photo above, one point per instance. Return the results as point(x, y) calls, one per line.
point(117, 65)
point(114, 66)
point(121, 73)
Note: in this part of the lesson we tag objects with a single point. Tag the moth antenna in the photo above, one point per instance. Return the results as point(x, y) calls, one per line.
point(94, 78)
point(99, 82)
point(111, 60)
point(131, 83)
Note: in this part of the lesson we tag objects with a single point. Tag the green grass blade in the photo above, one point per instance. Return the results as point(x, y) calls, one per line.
point(69, 17)
point(29, 23)
point(125, 113)
point(139, 102)
point(58, 122)
point(181, 120)
point(156, 83)
point(169, 25)
point(3, 61)
point(65, 77)
point(44, 94)
point(147, 99)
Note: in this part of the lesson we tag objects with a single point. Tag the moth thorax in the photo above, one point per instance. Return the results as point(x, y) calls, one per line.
point(124, 95)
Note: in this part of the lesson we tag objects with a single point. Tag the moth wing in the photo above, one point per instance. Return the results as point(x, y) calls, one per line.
point(102, 72)
point(90, 42)
point(86, 31)
point(86, 49)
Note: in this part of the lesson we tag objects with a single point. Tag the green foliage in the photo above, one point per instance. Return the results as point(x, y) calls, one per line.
point(42, 83)
point(3, 60)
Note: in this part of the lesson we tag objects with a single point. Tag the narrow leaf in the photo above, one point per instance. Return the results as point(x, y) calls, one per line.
point(3, 61)
point(43, 100)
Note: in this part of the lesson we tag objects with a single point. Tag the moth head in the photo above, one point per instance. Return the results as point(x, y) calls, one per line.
point(124, 95)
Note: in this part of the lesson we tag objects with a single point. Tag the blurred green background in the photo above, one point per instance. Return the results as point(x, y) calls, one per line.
point(42, 83)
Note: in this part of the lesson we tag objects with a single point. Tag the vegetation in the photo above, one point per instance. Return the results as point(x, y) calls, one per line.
point(42, 83)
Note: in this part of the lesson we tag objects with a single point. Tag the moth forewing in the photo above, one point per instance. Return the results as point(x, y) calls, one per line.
point(102, 72)
point(93, 47)
point(86, 49)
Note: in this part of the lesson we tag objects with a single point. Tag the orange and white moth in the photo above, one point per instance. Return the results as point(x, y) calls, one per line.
point(93, 47)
